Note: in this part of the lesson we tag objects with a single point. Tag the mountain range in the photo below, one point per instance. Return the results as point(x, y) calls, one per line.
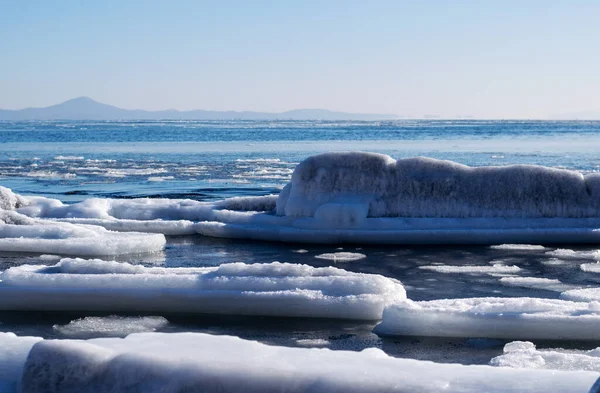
point(85, 108)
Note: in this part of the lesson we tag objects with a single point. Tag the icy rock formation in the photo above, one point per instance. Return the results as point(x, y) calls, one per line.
point(193, 362)
point(359, 185)
point(272, 289)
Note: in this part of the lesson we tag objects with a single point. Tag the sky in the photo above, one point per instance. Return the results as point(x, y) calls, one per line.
point(485, 59)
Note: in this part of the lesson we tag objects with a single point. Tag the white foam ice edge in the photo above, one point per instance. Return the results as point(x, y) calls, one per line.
point(159, 362)
point(368, 198)
point(272, 289)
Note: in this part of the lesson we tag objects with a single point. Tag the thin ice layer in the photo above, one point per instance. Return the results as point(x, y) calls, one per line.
point(524, 354)
point(512, 318)
point(158, 362)
point(273, 289)
point(19, 233)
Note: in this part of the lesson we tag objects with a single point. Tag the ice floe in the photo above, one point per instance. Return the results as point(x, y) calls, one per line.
point(341, 256)
point(513, 318)
point(524, 354)
point(158, 362)
point(518, 247)
point(468, 269)
point(13, 354)
point(548, 284)
point(582, 295)
point(19, 233)
point(572, 254)
point(273, 289)
point(590, 267)
point(113, 325)
point(360, 197)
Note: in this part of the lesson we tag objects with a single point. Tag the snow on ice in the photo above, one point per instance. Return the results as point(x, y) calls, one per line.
point(159, 362)
point(272, 289)
point(513, 318)
point(524, 354)
point(359, 197)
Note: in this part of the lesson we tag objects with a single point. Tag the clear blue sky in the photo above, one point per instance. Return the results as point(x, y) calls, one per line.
point(507, 59)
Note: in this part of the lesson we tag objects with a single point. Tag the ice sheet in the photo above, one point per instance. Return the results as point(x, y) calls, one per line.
point(513, 318)
point(273, 289)
point(156, 362)
point(548, 284)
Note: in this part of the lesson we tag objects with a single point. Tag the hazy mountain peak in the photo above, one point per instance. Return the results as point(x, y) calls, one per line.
point(85, 108)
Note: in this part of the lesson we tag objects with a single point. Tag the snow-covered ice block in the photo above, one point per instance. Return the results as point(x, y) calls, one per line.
point(582, 295)
point(426, 187)
point(19, 233)
point(524, 354)
point(513, 318)
point(548, 284)
point(273, 289)
point(158, 362)
point(13, 353)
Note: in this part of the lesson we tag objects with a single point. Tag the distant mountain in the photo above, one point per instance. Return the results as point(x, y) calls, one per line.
point(84, 108)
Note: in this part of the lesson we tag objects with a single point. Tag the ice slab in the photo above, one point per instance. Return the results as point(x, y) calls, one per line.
point(273, 289)
point(512, 318)
point(158, 362)
point(19, 233)
point(13, 354)
point(548, 284)
point(343, 256)
point(590, 267)
point(582, 295)
point(112, 325)
point(518, 247)
point(524, 354)
point(494, 269)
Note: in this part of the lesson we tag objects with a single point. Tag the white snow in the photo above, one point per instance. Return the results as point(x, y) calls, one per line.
point(548, 284)
point(19, 233)
point(273, 289)
point(494, 269)
point(516, 318)
point(341, 256)
point(518, 247)
point(158, 362)
point(112, 325)
point(13, 354)
point(524, 354)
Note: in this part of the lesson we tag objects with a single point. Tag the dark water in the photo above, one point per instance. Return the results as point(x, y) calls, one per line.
point(72, 161)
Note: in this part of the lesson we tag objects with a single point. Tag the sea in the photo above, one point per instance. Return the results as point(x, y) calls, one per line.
point(211, 160)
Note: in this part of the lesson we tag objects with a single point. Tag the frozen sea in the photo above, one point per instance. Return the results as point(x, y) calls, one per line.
point(209, 160)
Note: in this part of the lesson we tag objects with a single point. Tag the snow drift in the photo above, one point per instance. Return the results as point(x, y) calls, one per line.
point(272, 289)
point(158, 362)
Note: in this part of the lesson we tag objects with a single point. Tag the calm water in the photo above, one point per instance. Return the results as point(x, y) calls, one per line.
point(72, 161)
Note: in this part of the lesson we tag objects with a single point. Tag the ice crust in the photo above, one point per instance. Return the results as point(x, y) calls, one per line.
point(358, 197)
point(512, 318)
point(19, 233)
point(272, 289)
point(524, 354)
point(158, 362)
